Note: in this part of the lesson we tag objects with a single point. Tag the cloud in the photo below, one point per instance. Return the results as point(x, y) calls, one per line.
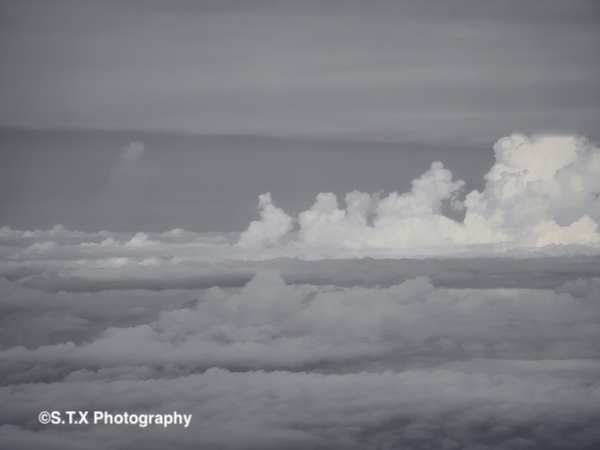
point(422, 408)
point(409, 366)
point(121, 175)
point(54, 261)
point(274, 224)
point(541, 191)
point(536, 186)
point(270, 352)
point(270, 324)
point(127, 160)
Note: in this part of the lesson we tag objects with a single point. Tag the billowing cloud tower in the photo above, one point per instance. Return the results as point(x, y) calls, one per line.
point(541, 191)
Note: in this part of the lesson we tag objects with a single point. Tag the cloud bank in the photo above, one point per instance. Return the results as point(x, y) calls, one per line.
point(541, 191)
point(274, 365)
point(269, 324)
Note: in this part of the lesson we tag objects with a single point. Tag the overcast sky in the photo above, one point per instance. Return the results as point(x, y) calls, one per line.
point(318, 224)
point(435, 70)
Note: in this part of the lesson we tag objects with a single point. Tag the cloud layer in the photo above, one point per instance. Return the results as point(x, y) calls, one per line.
point(271, 352)
point(402, 70)
point(269, 324)
point(273, 365)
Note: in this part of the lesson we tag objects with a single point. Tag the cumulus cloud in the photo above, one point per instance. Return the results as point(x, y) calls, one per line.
point(274, 224)
point(541, 191)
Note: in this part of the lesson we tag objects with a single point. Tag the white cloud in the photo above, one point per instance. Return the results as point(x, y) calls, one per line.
point(541, 191)
point(274, 224)
point(536, 186)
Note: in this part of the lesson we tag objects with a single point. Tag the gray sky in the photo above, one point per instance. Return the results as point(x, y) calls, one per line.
point(199, 183)
point(435, 80)
point(411, 70)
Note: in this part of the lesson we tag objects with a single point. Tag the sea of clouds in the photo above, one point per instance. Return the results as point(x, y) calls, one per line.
point(386, 324)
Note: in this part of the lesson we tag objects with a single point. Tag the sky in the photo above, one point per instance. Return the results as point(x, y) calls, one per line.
point(307, 224)
point(403, 71)
point(388, 88)
point(78, 179)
